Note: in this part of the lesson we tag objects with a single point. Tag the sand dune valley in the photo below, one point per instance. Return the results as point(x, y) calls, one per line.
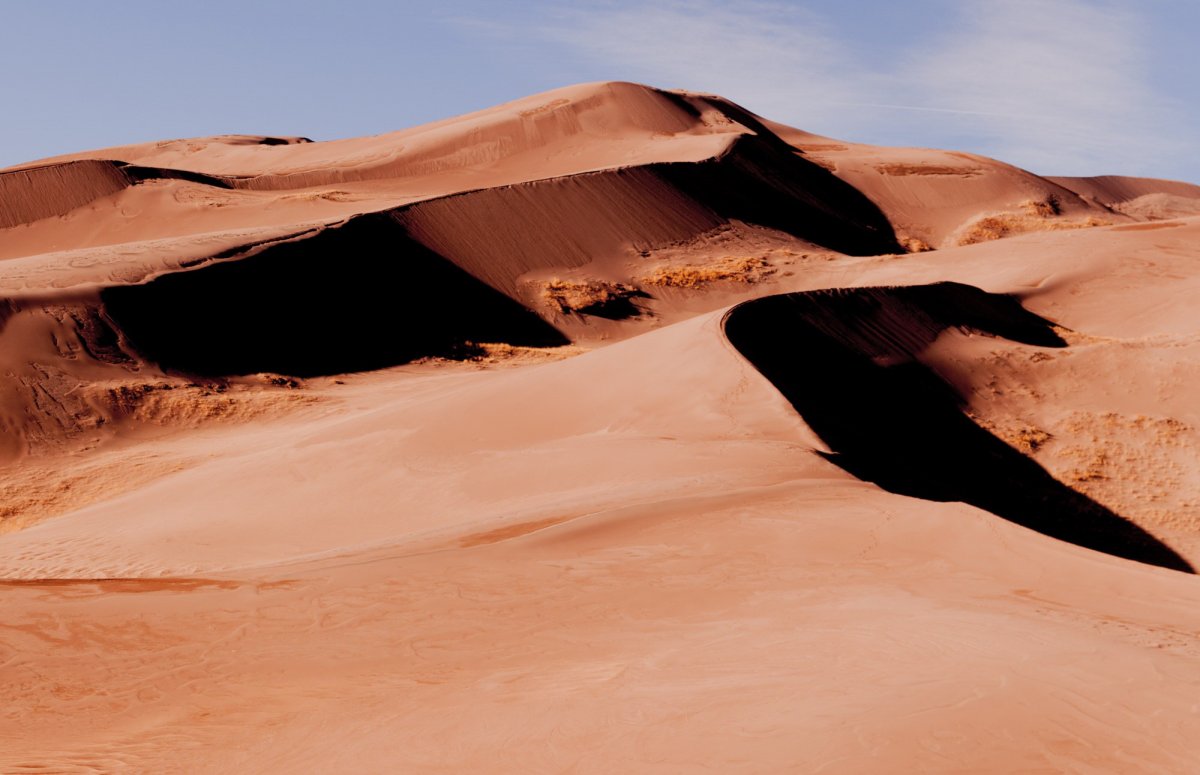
point(613, 429)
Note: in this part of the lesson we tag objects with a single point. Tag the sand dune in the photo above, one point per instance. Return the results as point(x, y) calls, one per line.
point(611, 429)
point(1112, 190)
point(574, 129)
point(938, 199)
point(56, 189)
point(1145, 199)
point(891, 420)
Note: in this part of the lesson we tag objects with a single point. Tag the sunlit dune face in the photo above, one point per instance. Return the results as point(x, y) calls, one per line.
point(611, 429)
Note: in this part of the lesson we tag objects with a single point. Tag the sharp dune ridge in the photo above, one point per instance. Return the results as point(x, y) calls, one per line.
point(611, 429)
point(34, 193)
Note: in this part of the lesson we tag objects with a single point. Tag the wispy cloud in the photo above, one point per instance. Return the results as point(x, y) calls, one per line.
point(1054, 85)
point(783, 61)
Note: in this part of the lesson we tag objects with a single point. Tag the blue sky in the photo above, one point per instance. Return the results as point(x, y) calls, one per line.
point(1058, 86)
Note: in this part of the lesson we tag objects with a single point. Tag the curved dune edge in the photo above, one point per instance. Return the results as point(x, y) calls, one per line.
point(849, 361)
point(34, 193)
point(384, 288)
point(848, 623)
point(630, 560)
point(928, 196)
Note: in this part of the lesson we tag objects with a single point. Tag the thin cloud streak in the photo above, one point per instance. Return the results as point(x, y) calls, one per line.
point(709, 47)
point(1077, 64)
point(923, 109)
point(1059, 86)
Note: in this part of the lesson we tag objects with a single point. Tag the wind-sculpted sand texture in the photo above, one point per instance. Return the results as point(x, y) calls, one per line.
point(611, 429)
point(892, 420)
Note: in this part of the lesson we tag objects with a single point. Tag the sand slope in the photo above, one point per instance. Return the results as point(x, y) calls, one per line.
point(612, 429)
point(1142, 198)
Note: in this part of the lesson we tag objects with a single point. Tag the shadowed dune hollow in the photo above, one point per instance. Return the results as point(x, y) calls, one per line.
point(848, 361)
point(422, 279)
point(392, 300)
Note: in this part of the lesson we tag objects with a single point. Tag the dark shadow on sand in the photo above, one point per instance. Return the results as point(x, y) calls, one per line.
point(846, 360)
point(356, 297)
point(763, 181)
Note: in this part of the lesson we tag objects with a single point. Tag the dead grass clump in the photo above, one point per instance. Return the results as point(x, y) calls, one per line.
point(1026, 438)
point(194, 404)
point(1163, 429)
point(1030, 439)
point(1043, 208)
point(313, 196)
point(818, 147)
point(994, 227)
point(590, 297)
point(750, 269)
point(484, 354)
point(915, 245)
point(1094, 470)
point(1134, 464)
point(901, 169)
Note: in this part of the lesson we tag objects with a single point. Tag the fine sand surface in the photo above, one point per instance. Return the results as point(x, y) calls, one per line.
point(609, 430)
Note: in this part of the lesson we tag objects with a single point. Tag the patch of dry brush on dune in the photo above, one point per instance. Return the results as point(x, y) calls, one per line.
point(194, 404)
point(485, 354)
point(1034, 216)
point(743, 269)
point(586, 296)
point(914, 244)
point(335, 195)
point(1134, 464)
point(901, 169)
point(1025, 437)
point(1105, 450)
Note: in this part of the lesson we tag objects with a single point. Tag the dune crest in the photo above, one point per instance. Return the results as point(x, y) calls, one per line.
point(612, 428)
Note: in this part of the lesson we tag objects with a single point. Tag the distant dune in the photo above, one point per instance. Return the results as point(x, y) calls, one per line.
point(611, 429)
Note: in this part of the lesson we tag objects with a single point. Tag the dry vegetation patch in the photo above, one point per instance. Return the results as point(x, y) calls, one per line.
point(591, 297)
point(1028, 439)
point(1034, 216)
point(1043, 208)
point(1134, 464)
point(195, 404)
point(901, 169)
point(1025, 437)
point(743, 269)
point(484, 354)
point(335, 195)
point(64, 413)
point(914, 245)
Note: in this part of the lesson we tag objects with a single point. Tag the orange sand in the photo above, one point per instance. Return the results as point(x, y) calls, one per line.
point(429, 452)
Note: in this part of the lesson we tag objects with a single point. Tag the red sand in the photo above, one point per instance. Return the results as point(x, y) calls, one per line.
point(429, 452)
